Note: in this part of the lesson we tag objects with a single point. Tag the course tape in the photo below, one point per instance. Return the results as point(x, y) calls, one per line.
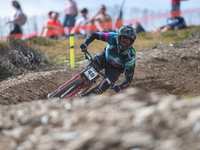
point(104, 26)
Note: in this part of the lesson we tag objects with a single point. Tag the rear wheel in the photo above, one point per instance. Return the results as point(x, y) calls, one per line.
point(69, 88)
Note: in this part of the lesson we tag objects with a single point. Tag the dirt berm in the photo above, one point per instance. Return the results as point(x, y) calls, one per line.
point(157, 111)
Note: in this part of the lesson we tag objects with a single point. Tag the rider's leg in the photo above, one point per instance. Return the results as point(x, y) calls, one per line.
point(112, 75)
point(98, 59)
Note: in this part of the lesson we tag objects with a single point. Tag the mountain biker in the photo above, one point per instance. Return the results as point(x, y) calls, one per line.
point(117, 57)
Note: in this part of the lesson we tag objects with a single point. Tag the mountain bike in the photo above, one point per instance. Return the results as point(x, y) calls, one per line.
point(81, 82)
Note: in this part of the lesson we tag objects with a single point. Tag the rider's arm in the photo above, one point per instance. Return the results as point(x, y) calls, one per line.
point(91, 37)
point(103, 36)
point(88, 40)
point(129, 72)
point(127, 80)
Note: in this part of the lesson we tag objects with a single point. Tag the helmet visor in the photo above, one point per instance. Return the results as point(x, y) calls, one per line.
point(124, 41)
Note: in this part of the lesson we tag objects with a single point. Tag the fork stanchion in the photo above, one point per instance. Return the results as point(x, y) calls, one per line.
point(71, 42)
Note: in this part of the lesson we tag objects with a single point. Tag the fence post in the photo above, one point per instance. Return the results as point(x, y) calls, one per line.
point(71, 42)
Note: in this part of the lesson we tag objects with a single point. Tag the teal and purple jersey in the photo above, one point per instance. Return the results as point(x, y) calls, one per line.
point(124, 60)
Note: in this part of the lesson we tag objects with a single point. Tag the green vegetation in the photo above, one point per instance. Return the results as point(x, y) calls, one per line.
point(19, 56)
point(44, 41)
point(150, 40)
point(146, 36)
point(170, 34)
point(4, 73)
point(57, 53)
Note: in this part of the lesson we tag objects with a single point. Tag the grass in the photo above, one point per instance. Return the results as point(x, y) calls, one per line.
point(43, 41)
point(58, 52)
point(4, 73)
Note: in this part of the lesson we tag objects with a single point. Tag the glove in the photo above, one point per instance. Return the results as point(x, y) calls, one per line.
point(116, 88)
point(83, 47)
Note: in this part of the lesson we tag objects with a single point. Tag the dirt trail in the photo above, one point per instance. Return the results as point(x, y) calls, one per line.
point(135, 119)
point(165, 69)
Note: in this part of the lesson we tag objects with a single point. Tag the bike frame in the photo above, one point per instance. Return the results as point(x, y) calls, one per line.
point(89, 75)
point(89, 57)
point(83, 86)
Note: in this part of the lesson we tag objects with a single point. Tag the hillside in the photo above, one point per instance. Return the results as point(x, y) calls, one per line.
point(157, 111)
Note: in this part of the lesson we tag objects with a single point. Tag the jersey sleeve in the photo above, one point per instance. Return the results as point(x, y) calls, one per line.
point(129, 68)
point(103, 36)
point(109, 37)
point(129, 71)
point(91, 37)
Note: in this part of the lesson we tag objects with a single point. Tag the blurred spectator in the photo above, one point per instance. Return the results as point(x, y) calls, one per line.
point(52, 27)
point(81, 24)
point(176, 4)
point(175, 22)
point(50, 17)
point(138, 27)
point(70, 13)
point(104, 20)
point(50, 13)
point(15, 21)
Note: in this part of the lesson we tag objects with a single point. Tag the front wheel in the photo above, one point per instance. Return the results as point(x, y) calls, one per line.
point(69, 88)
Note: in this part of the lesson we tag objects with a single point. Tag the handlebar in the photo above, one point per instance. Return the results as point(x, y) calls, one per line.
point(87, 55)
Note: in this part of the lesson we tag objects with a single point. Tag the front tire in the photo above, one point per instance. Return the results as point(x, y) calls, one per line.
point(71, 87)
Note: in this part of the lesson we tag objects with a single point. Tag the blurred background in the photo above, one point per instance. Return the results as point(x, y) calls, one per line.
point(37, 12)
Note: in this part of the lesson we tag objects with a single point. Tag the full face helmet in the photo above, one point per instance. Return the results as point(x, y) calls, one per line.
point(126, 37)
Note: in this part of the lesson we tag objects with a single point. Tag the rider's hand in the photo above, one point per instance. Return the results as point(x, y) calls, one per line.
point(83, 46)
point(116, 88)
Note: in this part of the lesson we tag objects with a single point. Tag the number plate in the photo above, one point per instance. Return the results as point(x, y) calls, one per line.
point(91, 73)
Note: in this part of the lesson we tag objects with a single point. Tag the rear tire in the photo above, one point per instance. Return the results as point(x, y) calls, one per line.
point(74, 85)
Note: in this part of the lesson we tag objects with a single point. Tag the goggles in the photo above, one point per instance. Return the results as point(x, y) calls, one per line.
point(124, 41)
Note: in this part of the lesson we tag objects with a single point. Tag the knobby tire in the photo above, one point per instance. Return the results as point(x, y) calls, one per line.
point(76, 83)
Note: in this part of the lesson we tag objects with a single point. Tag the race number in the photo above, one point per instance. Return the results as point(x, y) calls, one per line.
point(91, 73)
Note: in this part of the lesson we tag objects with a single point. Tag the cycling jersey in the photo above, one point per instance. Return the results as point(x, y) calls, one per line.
point(124, 60)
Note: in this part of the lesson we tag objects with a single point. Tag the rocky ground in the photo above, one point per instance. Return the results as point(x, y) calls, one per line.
point(157, 112)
